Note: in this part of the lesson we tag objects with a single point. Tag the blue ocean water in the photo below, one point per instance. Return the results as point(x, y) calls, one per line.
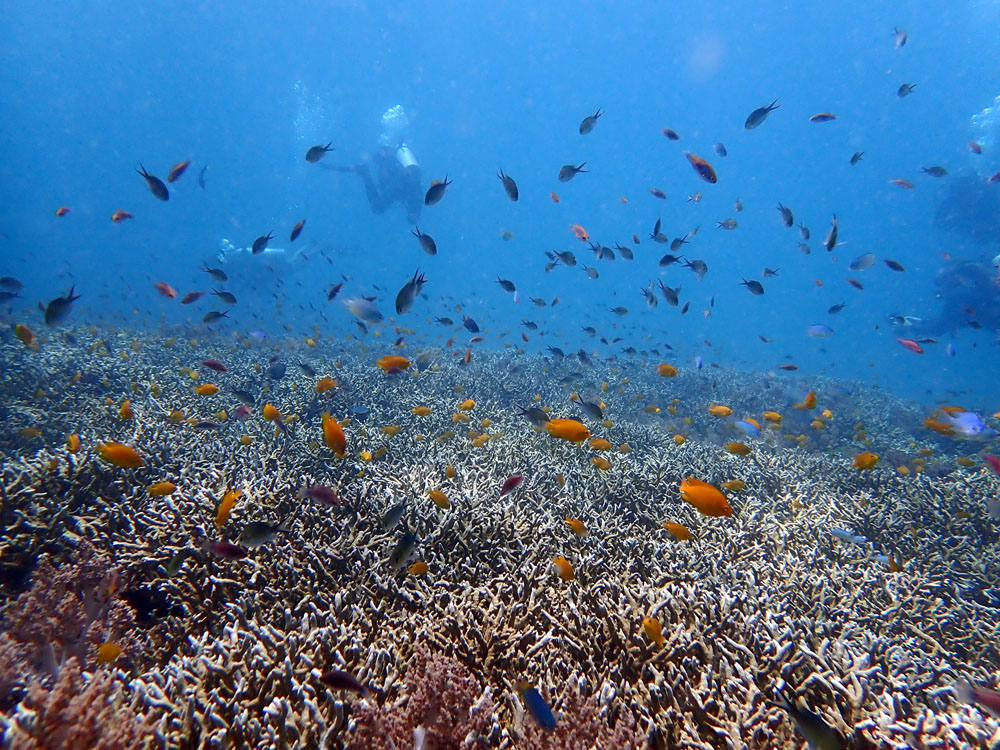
point(91, 90)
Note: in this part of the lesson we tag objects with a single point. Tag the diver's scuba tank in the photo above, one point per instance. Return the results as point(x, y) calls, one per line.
point(406, 158)
point(394, 126)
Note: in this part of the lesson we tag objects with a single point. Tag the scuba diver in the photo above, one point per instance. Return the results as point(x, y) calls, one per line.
point(392, 174)
point(228, 252)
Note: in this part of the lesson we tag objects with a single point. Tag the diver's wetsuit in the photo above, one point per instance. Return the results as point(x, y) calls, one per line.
point(390, 183)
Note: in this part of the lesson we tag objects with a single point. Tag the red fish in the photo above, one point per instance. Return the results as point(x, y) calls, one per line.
point(905, 184)
point(178, 170)
point(192, 297)
point(242, 412)
point(62, 210)
point(911, 345)
point(227, 550)
point(993, 462)
point(975, 148)
point(165, 289)
point(554, 197)
point(511, 483)
point(702, 167)
point(296, 231)
point(214, 364)
point(120, 215)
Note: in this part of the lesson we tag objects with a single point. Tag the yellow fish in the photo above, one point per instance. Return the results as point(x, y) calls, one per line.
point(563, 568)
point(226, 506)
point(162, 489)
point(467, 405)
point(108, 653)
point(120, 455)
point(679, 439)
point(578, 526)
point(567, 429)
point(737, 449)
point(440, 499)
point(325, 384)
point(206, 389)
point(865, 461)
point(418, 568)
point(716, 410)
point(391, 430)
point(651, 626)
point(679, 531)
point(125, 411)
point(772, 416)
point(421, 411)
point(734, 485)
point(73, 443)
point(705, 498)
point(666, 370)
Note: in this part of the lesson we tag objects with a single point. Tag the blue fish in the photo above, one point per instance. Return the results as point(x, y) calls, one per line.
point(820, 330)
point(537, 707)
point(847, 536)
point(747, 428)
point(697, 362)
point(968, 424)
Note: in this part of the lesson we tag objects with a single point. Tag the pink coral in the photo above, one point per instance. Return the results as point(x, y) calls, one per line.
point(443, 699)
point(77, 713)
point(68, 612)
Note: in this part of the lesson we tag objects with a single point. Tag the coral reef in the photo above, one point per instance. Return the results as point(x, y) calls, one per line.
point(764, 603)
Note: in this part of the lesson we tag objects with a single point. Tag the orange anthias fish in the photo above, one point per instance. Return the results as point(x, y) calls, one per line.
point(120, 455)
point(73, 443)
point(865, 461)
point(325, 384)
point(678, 531)
point(226, 506)
point(467, 405)
point(567, 429)
point(717, 410)
point(702, 167)
point(334, 436)
point(206, 389)
point(178, 170)
point(166, 290)
point(120, 215)
point(162, 489)
point(580, 232)
point(440, 499)
point(554, 197)
point(563, 568)
point(108, 653)
point(737, 449)
point(393, 363)
point(706, 499)
point(653, 630)
point(578, 526)
point(24, 334)
point(271, 413)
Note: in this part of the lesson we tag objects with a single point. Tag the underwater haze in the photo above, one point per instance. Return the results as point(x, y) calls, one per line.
point(93, 90)
point(524, 376)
